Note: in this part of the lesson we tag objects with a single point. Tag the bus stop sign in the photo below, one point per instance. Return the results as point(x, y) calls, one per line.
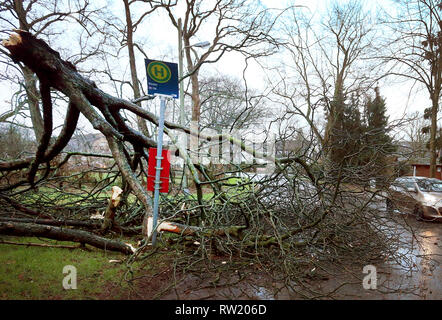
point(162, 78)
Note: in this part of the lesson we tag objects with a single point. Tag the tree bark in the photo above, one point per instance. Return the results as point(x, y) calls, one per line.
point(28, 244)
point(56, 233)
point(33, 103)
point(94, 225)
point(30, 80)
point(196, 100)
point(433, 132)
point(111, 209)
point(133, 67)
point(59, 223)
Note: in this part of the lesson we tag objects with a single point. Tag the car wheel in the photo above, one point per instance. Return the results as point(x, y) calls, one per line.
point(418, 212)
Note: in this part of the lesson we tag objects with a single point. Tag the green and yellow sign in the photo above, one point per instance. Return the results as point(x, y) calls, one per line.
point(162, 78)
point(159, 71)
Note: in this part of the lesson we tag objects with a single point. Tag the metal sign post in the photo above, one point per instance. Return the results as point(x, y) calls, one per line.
point(158, 168)
point(162, 81)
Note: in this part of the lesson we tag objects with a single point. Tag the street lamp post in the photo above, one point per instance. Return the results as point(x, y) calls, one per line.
point(182, 119)
point(180, 72)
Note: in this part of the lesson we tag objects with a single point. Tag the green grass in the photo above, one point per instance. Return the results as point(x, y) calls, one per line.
point(63, 198)
point(60, 198)
point(236, 180)
point(37, 272)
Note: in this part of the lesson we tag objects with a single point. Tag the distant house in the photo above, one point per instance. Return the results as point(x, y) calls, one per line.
point(88, 143)
point(423, 170)
point(285, 147)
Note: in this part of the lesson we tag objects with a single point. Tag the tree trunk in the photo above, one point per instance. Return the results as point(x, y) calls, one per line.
point(433, 131)
point(133, 67)
point(30, 80)
point(33, 102)
point(94, 225)
point(56, 233)
point(114, 201)
point(196, 101)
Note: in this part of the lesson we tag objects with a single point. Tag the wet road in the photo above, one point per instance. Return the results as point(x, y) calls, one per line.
point(421, 266)
point(415, 274)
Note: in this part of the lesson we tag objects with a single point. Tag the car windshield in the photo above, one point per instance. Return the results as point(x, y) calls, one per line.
point(430, 185)
point(406, 184)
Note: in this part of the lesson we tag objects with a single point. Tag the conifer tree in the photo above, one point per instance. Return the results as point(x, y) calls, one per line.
point(378, 143)
point(347, 131)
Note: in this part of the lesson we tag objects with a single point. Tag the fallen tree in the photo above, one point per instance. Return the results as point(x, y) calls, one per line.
point(294, 218)
point(92, 225)
point(103, 112)
point(63, 234)
point(83, 94)
point(24, 209)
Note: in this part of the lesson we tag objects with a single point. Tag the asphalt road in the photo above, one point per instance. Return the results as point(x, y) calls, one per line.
point(417, 272)
point(422, 252)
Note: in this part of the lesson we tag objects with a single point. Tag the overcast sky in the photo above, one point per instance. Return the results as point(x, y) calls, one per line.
point(400, 100)
point(160, 39)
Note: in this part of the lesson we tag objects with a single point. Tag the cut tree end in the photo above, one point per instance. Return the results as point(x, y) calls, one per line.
point(131, 247)
point(116, 191)
point(14, 39)
point(115, 197)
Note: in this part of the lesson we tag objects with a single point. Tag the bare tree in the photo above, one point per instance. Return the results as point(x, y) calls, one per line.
point(292, 222)
point(226, 104)
point(128, 40)
point(235, 26)
point(15, 142)
point(326, 63)
point(417, 136)
point(350, 28)
point(39, 18)
point(416, 52)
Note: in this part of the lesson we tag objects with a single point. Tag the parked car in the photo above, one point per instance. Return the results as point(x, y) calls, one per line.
point(420, 196)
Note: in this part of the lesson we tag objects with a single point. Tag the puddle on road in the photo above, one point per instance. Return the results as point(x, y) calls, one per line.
point(263, 294)
point(417, 267)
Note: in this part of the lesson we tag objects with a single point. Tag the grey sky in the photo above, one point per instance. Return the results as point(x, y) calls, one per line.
point(160, 42)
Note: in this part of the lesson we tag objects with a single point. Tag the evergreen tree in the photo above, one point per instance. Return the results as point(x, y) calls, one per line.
point(346, 136)
point(378, 143)
point(337, 151)
point(360, 144)
point(377, 121)
point(353, 127)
